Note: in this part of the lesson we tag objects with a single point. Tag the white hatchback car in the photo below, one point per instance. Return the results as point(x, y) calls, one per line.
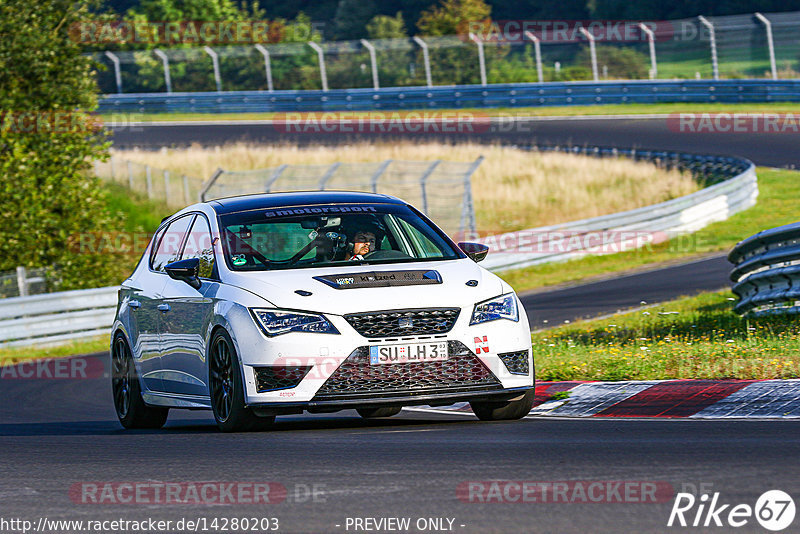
point(273, 304)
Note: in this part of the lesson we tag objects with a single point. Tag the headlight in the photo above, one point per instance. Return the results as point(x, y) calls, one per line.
point(277, 322)
point(502, 307)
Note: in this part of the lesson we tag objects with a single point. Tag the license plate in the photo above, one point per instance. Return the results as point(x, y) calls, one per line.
point(408, 353)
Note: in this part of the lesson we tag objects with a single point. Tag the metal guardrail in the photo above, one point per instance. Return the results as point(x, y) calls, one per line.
point(735, 188)
point(457, 96)
point(57, 317)
point(767, 271)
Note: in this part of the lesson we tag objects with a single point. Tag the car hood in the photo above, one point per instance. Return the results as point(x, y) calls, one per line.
point(338, 290)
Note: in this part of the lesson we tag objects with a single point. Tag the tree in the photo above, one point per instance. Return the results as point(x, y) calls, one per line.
point(386, 27)
point(453, 17)
point(352, 17)
point(48, 194)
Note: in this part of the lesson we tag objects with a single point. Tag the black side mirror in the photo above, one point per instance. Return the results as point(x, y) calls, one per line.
point(476, 251)
point(186, 271)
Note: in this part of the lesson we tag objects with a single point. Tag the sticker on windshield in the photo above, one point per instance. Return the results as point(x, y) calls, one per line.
point(288, 212)
point(239, 259)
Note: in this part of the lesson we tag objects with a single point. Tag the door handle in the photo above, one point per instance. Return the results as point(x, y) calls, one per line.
point(135, 304)
point(163, 308)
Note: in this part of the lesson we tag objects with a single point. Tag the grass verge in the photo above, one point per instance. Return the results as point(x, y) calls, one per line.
point(10, 356)
point(776, 206)
point(698, 337)
point(544, 111)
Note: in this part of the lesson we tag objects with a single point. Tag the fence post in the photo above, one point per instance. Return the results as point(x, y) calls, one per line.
point(468, 209)
point(770, 44)
point(373, 181)
point(373, 60)
point(117, 74)
point(274, 178)
point(186, 195)
point(651, 42)
point(149, 181)
point(166, 186)
point(215, 63)
point(328, 175)
point(267, 66)
point(423, 180)
point(712, 37)
point(113, 169)
point(206, 186)
point(592, 51)
point(537, 47)
point(130, 176)
point(481, 58)
point(165, 62)
point(22, 281)
point(321, 56)
point(426, 59)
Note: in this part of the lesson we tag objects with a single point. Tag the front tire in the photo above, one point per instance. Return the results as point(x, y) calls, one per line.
point(503, 411)
point(227, 389)
point(128, 403)
point(373, 413)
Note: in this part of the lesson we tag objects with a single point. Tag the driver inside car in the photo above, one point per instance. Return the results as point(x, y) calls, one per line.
point(364, 240)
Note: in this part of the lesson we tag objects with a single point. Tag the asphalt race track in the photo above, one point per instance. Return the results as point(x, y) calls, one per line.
point(58, 434)
point(550, 308)
point(767, 149)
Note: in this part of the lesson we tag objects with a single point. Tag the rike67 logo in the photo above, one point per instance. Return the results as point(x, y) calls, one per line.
point(774, 510)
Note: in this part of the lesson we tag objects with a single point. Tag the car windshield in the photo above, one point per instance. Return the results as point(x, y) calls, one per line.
point(327, 235)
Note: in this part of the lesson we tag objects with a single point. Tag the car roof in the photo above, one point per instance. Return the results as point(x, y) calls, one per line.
point(298, 198)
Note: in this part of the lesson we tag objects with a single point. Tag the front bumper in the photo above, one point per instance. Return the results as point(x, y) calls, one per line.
point(320, 356)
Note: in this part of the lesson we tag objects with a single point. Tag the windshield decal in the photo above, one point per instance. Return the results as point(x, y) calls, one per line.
point(288, 212)
point(380, 279)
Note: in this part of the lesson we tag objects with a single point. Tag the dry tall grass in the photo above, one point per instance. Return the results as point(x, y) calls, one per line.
point(513, 189)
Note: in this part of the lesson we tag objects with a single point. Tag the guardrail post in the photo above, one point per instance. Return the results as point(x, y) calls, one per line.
point(373, 181)
point(423, 180)
point(592, 51)
point(537, 48)
point(186, 196)
point(165, 62)
point(117, 74)
point(770, 44)
point(373, 60)
point(651, 43)
point(215, 62)
point(149, 179)
point(267, 66)
point(321, 57)
point(481, 58)
point(22, 281)
point(426, 59)
point(713, 39)
point(328, 175)
point(166, 186)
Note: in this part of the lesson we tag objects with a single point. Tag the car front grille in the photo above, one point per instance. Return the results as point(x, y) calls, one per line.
point(516, 362)
point(401, 323)
point(279, 377)
point(355, 378)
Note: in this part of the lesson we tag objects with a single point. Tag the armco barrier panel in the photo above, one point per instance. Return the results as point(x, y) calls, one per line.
point(458, 96)
point(57, 317)
point(767, 271)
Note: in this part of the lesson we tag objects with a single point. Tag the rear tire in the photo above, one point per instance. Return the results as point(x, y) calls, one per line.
point(373, 413)
point(227, 389)
point(503, 411)
point(128, 403)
